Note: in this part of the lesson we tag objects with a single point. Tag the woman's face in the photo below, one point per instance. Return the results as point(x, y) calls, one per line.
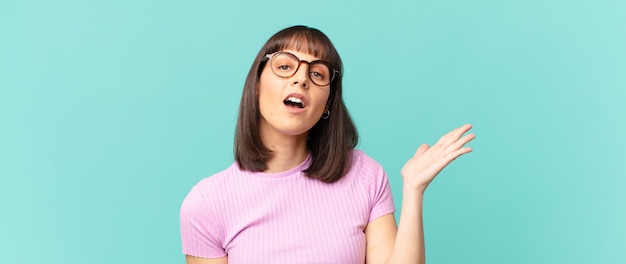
point(290, 106)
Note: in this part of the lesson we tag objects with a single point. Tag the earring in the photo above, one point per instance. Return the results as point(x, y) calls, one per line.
point(326, 114)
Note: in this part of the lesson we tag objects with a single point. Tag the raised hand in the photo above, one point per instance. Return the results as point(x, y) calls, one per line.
point(427, 162)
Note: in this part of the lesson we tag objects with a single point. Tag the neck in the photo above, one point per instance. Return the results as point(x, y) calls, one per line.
point(287, 152)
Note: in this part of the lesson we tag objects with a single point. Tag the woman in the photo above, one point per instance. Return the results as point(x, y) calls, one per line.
point(298, 191)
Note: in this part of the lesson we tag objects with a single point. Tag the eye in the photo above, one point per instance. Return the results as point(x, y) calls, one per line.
point(319, 71)
point(284, 67)
point(317, 75)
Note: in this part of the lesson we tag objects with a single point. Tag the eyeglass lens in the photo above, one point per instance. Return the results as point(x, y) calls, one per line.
point(286, 65)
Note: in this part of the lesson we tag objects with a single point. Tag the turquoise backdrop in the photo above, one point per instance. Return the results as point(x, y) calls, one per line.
point(110, 111)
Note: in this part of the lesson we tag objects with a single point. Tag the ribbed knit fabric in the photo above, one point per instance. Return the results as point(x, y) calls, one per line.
point(284, 217)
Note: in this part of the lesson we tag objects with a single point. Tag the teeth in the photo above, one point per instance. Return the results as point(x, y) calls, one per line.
point(294, 100)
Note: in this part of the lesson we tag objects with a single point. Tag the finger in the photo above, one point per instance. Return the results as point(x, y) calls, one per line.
point(455, 154)
point(453, 135)
point(461, 142)
point(458, 133)
point(464, 128)
point(423, 148)
point(445, 138)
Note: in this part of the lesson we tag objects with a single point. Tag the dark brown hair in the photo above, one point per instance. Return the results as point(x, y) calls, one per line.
point(330, 141)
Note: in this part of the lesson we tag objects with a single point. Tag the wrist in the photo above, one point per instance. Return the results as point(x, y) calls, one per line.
point(412, 191)
point(412, 202)
point(413, 187)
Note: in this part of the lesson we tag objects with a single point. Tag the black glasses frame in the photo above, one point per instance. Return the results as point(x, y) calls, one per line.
point(332, 70)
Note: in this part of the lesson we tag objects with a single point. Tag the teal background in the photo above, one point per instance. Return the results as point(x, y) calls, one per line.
point(110, 111)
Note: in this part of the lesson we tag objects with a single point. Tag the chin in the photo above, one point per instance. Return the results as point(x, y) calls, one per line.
point(294, 132)
point(288, 125)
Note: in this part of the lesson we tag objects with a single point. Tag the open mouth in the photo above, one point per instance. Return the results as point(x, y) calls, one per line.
point(294, 102)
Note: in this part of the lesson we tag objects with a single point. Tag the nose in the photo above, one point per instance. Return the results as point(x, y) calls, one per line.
point(301, 77)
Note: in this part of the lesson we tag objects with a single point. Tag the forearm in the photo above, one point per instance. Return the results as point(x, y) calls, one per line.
point(409, 244)
point(417, 173)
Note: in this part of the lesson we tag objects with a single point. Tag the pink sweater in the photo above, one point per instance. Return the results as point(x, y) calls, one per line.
point(285, 217)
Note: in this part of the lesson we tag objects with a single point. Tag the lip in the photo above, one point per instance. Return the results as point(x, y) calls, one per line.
point(296, 110)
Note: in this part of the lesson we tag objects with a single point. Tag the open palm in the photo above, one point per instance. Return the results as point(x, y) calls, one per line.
point(428, 161)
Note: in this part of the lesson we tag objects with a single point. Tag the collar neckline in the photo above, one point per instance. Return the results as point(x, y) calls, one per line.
point(297, 169)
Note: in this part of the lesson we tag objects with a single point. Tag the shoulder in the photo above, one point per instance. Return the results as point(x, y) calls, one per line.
point(364, 164)
point(202, 212)
point(372, 178)
point(206, 190)
point(220, 177)
point(366, 171)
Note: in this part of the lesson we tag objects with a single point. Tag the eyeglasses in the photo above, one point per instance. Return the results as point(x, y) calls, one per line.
point(285, 65)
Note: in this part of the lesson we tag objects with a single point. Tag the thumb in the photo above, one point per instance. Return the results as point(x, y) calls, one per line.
point(423, 148)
